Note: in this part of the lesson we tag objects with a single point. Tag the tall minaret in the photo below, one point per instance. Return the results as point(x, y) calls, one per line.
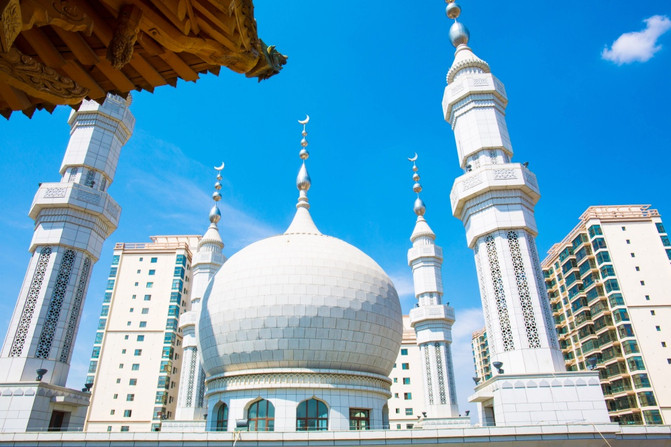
point(73, 218)
point(495, 199)
point(432, 321)
point(207, 262)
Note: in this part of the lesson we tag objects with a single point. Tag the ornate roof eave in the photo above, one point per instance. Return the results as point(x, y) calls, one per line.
point(58, 52)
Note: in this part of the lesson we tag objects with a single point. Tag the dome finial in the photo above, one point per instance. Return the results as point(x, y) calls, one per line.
point(459, 34)
point(303, 181)
point(419, 207)
point(215, 214)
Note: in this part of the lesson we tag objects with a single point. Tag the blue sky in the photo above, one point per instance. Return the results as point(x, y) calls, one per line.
point(584, 110)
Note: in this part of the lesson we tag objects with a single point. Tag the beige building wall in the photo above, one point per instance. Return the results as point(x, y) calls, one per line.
point(136, 357)
point(619, 317)
point(407, 388)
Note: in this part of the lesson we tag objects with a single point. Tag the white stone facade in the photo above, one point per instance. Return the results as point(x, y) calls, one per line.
point(495, 199)
point(73, 218)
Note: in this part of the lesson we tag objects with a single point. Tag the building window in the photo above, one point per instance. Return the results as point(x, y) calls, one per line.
point(115, 396)
point(642, 283)
point(398, 411)
point(638, 269)
point(408, 411)
point(647, 297)
point(132, 382)
point(140, 338)
point(145, 310)
point(407, 396)
point(398, 426)
point(624, 228)
point(137, 284)
point(109, 427)
point(130, 397)
point(138, 352)
point(147, 297)
point(134, 296)
point(628, 241)
point(633, 255)
point(120, 365)
point(112, 413)
point(404, 351)
point(221, 423)
point(405, 365)
point(359, 419)
point(396, 395)
point(153, 260)
point(406, 381)
point(663, 344)
point(658, 328)
point(118, 380)
point(395, 379)
point(261, 416)
point(143, 324)
point(125, 337)
point(138, 271)
point(152, 272)
point(135, 367)
point(409, 426)
point(652, 312)
point(150, 285)
point(311, 414)
point(125, 428)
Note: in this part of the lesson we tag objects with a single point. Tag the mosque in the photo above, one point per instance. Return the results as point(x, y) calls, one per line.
point(297, 334)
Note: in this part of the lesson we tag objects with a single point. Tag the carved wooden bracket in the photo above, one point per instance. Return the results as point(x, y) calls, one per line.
point(10, 23)
point(120, 49)
point(26, 74)
point(64, 14)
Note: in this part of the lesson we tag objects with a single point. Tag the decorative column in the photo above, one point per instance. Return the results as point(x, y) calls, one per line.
point(432, 321)
point(495, 200)
point(73, 218)
point(207, 261)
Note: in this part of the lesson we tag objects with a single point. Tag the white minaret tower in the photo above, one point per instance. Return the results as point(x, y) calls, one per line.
point(207, 262)
point(495, 199)
point(73, 218)
point(432, 321)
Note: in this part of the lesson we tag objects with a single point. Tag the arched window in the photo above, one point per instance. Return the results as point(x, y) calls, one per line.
point(261, 416)
point(312, 414)
point(222, 418)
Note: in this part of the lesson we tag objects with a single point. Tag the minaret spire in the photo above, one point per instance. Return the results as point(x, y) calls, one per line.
point(432, 320)
point(206, 263)
point(302, 222)
point(495, 200)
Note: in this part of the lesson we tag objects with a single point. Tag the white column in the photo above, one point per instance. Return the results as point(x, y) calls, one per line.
point(73, 218)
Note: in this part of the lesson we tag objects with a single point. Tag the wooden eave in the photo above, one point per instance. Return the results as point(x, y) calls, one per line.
point(55, 52)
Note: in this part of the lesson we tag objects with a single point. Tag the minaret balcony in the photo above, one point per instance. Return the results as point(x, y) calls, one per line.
point(77, 196)
point(457, 93)
point(425, 251)
point(431, 314)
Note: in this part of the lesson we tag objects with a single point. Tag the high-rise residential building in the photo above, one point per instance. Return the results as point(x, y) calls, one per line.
point(481, 359)
point(73, 217)
point(406, 404)
point(609, 285)
point(495, 199)
point(136, 358)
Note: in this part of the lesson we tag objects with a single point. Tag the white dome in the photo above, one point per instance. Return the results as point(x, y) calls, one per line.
point(300, 300)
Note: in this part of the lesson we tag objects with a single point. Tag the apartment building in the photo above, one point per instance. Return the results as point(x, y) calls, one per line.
point(136, 358)
point(480, 349)
point(609, 285)
point(407, 389)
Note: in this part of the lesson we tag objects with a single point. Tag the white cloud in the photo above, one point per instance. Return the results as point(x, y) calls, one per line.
point(638, 46)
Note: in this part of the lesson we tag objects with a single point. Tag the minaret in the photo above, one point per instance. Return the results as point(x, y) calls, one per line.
point(73, 218)
point(495, 199)
point(207, 261)
point(432, 321)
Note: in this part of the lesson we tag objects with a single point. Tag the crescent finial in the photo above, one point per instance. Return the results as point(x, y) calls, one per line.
point(306, 120)
point(220, 168)
point(413, 159)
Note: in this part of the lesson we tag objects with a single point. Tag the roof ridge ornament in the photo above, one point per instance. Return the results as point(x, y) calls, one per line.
point(215, 214)
point(303, 181)
point(419, 207)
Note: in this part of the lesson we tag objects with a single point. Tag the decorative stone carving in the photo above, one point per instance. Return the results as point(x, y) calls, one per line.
point(505, 174)
point(55, 305)
point(55, 193)
point(73, 321)
point(120, 49)
point(499, 294)
point(29, 75)
point(523, 290)
point(31, 301)
point(427, 365)
point(440, 373)
point(471, 182)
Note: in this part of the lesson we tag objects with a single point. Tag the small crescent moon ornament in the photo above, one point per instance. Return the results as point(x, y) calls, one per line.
point(220, 168)
point(306, 120)
point(413, 159)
